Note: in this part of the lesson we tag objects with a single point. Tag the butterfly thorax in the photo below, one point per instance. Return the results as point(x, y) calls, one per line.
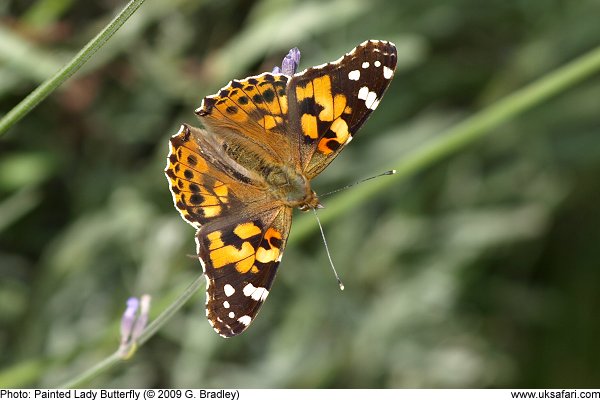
point(281, 181)
point(291, 187)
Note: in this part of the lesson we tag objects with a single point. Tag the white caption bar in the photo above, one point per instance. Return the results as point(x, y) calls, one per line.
point(278, 394)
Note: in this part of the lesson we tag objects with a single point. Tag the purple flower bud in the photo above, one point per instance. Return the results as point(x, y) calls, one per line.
point(132, 324)
point(290, 63)
point(140, 323)
point(128, 319)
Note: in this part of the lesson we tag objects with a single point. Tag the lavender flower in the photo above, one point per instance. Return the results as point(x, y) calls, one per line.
point(140, 323)
point(128, 319)
point(290, 63)
point(133, 324)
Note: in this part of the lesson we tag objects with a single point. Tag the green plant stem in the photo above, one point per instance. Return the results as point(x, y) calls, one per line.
point(150, 330)
point(456, 138)
point(52, 83)
point(96, 370)
point(155, 325)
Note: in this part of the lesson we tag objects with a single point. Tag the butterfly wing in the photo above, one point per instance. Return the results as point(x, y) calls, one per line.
point(201, 185)
point(329, 103)
point(240, 261)
point(240, 233)
point(254, 113)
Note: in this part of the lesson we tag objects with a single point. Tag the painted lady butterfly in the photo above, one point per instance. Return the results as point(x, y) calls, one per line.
point(264, 139)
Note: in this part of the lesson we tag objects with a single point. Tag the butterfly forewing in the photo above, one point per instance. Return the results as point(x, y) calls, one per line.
point(253, 112)
point(329, 103)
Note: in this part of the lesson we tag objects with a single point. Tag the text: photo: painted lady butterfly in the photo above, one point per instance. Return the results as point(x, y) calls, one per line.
point(264, 139)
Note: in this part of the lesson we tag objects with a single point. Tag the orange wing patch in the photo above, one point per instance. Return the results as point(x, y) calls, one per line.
point(245, 245)
point(271, 250)
point(222, 255)
point(309, 126)
point(323, 113)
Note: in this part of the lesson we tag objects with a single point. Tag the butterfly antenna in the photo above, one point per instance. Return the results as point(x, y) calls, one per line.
point(327, 250)
point(390, 172)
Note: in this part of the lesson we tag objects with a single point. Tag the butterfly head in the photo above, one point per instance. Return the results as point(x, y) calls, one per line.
point(311, 202)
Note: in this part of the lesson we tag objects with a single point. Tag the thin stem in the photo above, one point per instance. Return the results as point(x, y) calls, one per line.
point(156, 324)
point(150, 330)
point(96, 370)
point(460, 136)
point(52, 83)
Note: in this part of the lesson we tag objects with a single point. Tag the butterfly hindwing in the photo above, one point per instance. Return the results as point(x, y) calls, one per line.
point(240, 261)
point(329, 103)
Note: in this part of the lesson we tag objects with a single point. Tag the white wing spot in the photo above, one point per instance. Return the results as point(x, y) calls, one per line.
point(365, 64)
point(377, 63)
point(231, 314)
point(249, 290)
point(370, 100)
point(226, 304)
point(354, 75)
point(387, 72)
point(256, 293)
point(246, 319)
point(229, 290)
point(260, 294)
point(363, 92)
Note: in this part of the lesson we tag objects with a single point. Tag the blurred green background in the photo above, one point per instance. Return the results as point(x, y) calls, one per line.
point(480, 271)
